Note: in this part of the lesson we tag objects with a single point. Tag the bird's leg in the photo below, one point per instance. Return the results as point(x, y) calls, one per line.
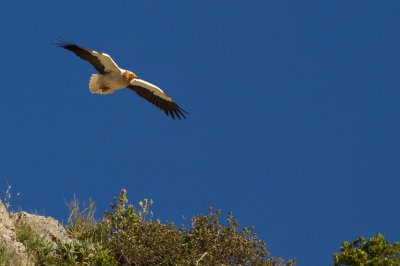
point(104, 89)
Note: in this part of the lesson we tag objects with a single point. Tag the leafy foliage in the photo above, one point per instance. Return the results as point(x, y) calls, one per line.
point(375, 251)
point(69, 253)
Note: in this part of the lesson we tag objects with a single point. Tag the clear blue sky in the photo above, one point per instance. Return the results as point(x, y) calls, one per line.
point(294, 106)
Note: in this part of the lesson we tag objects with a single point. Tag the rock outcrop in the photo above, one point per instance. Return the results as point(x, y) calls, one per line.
point(16, 251)
point(45, 227)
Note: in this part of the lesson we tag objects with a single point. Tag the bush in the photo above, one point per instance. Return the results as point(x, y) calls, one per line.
point(376, 251)
point(135, 239)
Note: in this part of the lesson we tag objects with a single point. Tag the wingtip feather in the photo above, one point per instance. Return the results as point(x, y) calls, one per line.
point(60, 42)
point(172, 114)
point(177, 114)
point(181, 113)
point(181, 109)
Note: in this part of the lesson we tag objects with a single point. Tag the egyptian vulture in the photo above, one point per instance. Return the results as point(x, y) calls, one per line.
point(113, 78)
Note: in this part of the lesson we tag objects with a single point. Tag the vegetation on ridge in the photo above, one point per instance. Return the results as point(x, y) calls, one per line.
point(130, 236)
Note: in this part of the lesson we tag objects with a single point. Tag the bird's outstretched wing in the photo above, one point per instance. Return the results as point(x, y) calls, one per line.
point(157, 97)
point(102, 62)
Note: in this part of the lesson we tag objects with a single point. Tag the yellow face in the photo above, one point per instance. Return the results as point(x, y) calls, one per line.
point(132, 76)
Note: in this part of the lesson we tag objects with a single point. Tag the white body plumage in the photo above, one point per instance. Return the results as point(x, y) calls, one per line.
point(110, 82)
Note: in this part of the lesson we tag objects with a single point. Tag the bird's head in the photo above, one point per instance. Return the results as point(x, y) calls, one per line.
point(132, 75)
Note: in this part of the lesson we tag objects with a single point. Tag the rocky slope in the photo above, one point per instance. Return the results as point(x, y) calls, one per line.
point(45, 227)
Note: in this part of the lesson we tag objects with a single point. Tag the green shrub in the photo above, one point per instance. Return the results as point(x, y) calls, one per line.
point(69, 253)
point(135, 239)
point(375, 251)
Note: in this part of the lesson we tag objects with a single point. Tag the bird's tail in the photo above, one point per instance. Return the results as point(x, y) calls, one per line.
point(96, 85)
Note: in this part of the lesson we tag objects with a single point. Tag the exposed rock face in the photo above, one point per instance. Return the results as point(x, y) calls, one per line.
point(46, 227)
point(8, 238)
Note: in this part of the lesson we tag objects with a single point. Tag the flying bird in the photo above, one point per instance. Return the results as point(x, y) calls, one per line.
point(113, 78)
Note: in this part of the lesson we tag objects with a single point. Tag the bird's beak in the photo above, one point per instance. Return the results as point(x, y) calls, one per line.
point(132, 76)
